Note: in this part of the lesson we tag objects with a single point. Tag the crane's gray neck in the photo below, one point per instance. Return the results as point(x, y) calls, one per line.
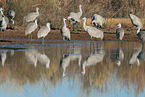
point(37, 11)
point(84, 24)
point(1, 12)
point(48, 26)
point(138, 30)
point(138, 63)
point(80, 10)
point(12, 21)
point(64, 23)
point(35, 21)
point(3, 18)
point(119, 26)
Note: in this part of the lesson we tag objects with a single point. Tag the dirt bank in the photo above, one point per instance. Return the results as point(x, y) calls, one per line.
point(18, 32)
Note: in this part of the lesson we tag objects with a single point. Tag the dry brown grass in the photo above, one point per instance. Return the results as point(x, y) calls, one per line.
point(54, 10)
point(111, 23)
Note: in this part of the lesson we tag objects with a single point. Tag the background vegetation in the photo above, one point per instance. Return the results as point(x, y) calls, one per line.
point(54, 10)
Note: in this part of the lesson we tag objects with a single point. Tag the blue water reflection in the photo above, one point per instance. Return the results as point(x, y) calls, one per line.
point(65, 88)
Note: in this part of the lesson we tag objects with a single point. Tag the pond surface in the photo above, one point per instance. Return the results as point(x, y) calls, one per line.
point(73, 69)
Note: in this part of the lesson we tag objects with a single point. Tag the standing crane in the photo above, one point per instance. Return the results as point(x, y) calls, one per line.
point(141, 35)
point(30, 28)
point(11, 15)
point(43, 31)
point(5, 18)
point(119, 32)
point(65, 32)
point(135, 20)
point(98, 20)
point(3, 25)
point(31, 16)
point(75, 17)
point(92, 31)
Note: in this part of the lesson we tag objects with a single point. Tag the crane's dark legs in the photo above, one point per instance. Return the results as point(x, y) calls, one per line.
point(4, 33)
point(142, 44)
point(1, 33)
point(31, 36)
point(90, 48)
point(73, 27)
point(76, 28)
point(28, 36)
point(43, 41)
point(93, 48)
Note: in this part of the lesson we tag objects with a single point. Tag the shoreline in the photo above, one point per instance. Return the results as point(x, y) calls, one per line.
point(56, 35)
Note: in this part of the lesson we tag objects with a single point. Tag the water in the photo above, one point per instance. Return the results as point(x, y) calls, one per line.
point(72, 69)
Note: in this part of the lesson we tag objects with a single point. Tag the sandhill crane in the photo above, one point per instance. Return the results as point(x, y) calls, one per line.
point(43, 59)
point(119, 32)
point(3, 25)
point(75, 17)
point(31, 16)
point(30, 28)
point(133, 59)
point(92, 31)
point(1, 15)
point(65, 32)
point(31, 56)
point(135, 20)
point(43, 31)
point(141, 35)
point(119, 56)
point(98, 20)
point(11, 15)
point(93, 59)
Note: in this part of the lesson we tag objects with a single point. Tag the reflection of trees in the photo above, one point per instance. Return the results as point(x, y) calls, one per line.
point(95, 57)
point(73, 55)
point(3, 56)
point(31, 56)
point(21, 72)
point(135, 75)
point(43, 59)
point(96, 77)
point(119, 56)
point(133, 59)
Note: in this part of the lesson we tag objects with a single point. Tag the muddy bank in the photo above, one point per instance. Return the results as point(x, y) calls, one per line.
point(18, 32)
